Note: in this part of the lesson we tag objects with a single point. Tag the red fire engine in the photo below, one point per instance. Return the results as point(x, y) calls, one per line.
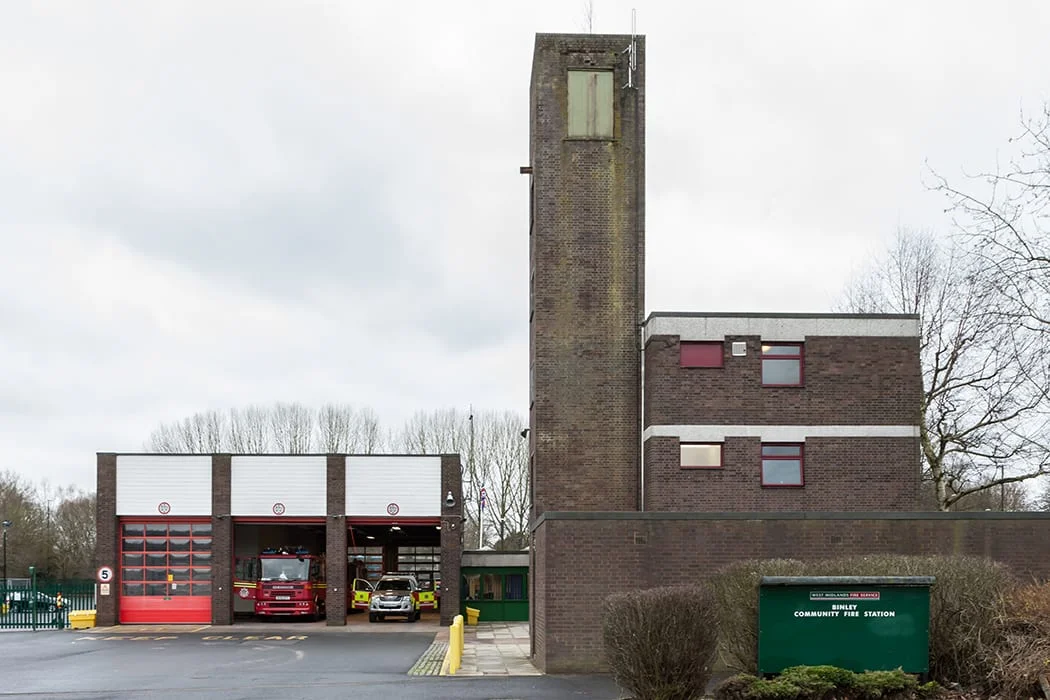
point(289, 581)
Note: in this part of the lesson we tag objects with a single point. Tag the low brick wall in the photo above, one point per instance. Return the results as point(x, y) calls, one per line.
point(582, 557)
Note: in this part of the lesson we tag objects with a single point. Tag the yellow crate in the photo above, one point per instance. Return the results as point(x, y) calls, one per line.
point(81, 619)
point(472, 616)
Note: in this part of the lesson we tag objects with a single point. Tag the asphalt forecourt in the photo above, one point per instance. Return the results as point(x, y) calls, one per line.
point(71, 665)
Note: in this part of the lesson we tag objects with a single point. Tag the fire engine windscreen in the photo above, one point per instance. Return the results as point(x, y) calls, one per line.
point(290, 569)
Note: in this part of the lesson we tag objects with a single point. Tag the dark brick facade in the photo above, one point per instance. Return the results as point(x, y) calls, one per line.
point(840, 474)
point(583, 557)
point(107, 542)
point(451, 536)
point(335, 541)
point(848, 381)
point(222, 541)
point(587, 284)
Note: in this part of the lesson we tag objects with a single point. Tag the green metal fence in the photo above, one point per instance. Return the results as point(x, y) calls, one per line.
point(39, 605)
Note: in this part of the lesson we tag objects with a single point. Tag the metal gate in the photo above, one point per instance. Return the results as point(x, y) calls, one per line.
point(33, 605)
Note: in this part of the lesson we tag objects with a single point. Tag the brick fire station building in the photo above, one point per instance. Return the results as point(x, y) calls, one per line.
point(176, 531)
point(663, 447)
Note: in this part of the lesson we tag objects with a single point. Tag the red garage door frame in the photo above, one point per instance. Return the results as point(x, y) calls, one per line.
point(165, 573)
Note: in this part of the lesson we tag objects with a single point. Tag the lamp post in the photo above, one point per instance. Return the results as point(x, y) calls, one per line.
point(7, 524)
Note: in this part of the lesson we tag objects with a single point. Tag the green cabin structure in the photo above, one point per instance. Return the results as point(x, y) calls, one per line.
point(497, 584)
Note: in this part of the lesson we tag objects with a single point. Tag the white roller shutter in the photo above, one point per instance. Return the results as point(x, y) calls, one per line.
point(279, 485)
point(376, 483)
point(168, 485)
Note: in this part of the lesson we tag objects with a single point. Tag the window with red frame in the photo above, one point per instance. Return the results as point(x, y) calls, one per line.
point(782, 465)
point(782, 364)
point(701, 455)
point(150, 552)
point(700, 354)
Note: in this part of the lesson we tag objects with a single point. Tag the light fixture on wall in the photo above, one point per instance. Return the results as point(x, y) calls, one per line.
point(525, 433)
point(450, 500)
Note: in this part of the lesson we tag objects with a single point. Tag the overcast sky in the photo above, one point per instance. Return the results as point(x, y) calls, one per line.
point(212, 204)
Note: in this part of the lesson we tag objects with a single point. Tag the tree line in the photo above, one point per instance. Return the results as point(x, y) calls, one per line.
point(492, 448)
point(51, 528)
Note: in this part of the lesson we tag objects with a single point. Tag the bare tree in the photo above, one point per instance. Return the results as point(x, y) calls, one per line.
point(198, 434)
point(343, 428)
point(292, 425)
point(504, 452)
point(52, 529)
point(982, 423)
point(494, 457)
point(74, 535)
point(444, 431)
point(1003, 215)
point(250, 430)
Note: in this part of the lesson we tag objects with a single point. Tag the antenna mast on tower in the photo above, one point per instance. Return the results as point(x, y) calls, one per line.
point(632, 50)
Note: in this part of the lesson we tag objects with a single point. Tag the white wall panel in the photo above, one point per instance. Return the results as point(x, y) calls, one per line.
point(183, 482)
point(298, 483)
point(783, 328)
point(374, 482)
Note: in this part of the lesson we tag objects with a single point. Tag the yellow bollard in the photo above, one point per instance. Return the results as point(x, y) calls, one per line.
point(455, 645)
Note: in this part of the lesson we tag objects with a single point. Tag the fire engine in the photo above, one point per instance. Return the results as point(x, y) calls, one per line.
point(288, 581)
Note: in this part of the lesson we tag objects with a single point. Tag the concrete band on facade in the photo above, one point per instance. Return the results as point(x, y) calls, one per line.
point(219, 489)
point(773, 327)
point(778, 433)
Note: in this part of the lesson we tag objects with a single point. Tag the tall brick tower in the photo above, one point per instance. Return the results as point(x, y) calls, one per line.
point(587, 235)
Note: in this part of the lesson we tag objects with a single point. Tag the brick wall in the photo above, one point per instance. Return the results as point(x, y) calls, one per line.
point(451, 536)
point(848, 381)
point(583, 557)
point(335, 542)
point(538, 599)
point(107, 543)
point(840, 474)
point(222, 541)
point(587, 285)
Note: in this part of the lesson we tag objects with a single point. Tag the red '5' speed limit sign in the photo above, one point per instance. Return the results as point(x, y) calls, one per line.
point(105, 574)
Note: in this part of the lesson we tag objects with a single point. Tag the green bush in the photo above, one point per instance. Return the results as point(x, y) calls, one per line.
point(966, 606)
point(880, 684)
point(775, 689)
point(660, 643)
point(815, 681)
point(825, 683)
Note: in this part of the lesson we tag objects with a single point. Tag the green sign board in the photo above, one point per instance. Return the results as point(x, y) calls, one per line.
point(861, 623)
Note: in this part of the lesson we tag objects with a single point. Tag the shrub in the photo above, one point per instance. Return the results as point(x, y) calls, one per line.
point(966, 604)
point(660, 643)
point(775, 689)
point(1021, 651)
point(825, 683)
point(736, 590)
point(880, 684)
point(816, 681)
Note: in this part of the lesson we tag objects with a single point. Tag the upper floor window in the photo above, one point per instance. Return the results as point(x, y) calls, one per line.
point(782, 465)
point(701, 455)
point(782, 364)
point(591, 104)
point(700, 354)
